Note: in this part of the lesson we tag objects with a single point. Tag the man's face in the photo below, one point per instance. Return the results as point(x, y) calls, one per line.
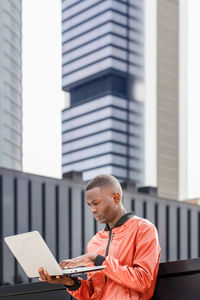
point(102, 204)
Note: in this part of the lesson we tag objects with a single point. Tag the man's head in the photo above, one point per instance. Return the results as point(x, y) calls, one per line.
point(104, 196)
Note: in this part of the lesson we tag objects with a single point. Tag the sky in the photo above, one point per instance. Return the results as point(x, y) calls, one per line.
point(193, 94)
point(43, 98)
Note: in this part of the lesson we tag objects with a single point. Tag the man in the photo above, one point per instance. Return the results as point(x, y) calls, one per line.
point(128, 247)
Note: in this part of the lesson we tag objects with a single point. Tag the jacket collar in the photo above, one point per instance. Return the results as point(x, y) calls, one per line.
point(121, 221)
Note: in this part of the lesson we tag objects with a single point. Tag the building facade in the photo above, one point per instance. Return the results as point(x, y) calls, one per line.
point(11, 84)
point(103, 71)
point(57, 209)
point(172, 107)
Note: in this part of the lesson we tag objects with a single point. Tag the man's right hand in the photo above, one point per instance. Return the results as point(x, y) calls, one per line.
point(60, 279)
point(82, 260)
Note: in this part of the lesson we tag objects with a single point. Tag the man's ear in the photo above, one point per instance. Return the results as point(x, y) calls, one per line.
point(116, 198)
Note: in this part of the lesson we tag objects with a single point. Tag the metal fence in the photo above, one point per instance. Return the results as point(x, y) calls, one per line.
point(57, 209)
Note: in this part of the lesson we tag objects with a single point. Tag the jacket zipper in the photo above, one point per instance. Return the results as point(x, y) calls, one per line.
point(106, 254)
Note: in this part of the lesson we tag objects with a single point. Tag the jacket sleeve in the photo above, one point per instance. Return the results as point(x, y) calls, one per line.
point(142, 274)
point(83, 290)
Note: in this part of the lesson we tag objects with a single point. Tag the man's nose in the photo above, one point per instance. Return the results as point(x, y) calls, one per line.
point(93, 209)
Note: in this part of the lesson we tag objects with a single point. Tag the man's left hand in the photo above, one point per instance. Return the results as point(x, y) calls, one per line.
point(60, 279)
point(78, 261)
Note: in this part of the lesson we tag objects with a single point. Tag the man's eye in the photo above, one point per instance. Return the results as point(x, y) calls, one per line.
point(93, 203)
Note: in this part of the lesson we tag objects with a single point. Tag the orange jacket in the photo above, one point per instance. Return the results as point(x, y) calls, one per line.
point(131, 252)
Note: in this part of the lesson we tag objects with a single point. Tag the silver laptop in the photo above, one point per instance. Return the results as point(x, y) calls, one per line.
point(32, 252)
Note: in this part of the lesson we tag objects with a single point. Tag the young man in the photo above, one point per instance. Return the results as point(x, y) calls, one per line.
point(128, 247)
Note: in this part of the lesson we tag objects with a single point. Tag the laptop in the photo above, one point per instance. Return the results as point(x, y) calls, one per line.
point(32, 252)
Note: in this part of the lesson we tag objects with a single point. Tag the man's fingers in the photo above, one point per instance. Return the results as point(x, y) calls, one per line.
point(42, 274)
point(69, 261)
point(49, 278)
point(68, 264)
point(64, 263)
point(72, 264)
point(77, 261)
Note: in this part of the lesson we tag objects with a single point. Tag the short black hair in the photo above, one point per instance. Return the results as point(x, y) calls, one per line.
point(103, 180)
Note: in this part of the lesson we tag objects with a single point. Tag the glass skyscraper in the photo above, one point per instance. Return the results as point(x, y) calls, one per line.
point(103, 70)
point(10, 84)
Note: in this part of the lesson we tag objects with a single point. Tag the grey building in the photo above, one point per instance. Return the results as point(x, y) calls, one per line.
point(172, 106)
point(103, 70)
point(57, 209)
point(10, 84)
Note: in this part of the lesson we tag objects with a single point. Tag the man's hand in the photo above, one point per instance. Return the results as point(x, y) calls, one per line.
point(61, 279)
point(78, 261)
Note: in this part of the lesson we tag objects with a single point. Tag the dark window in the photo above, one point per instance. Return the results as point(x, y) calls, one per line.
point(109, 84)
point(189, 232)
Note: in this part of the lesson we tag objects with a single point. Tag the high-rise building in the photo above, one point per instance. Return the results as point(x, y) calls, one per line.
point(10, 84)
point(172, 145)
point(103, 70)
